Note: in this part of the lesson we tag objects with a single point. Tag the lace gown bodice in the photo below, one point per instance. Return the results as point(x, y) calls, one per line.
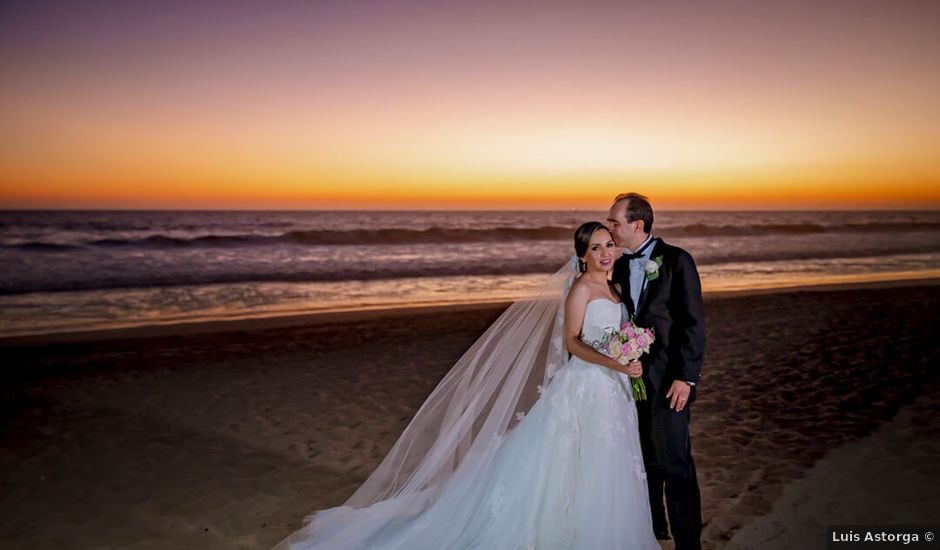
point(599, 315)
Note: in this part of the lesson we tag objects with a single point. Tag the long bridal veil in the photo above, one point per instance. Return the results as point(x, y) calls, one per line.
point(489, 388)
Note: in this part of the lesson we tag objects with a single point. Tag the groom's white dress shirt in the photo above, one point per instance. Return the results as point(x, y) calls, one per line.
point(637, 273)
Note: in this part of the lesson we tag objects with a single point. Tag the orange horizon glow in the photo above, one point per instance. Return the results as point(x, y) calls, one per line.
point(781, 190)
point(471, 107)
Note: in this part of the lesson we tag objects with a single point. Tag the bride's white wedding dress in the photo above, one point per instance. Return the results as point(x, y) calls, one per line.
point(569, 475)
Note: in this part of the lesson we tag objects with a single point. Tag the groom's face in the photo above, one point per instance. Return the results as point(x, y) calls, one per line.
point(620, 229)
point(625, 233)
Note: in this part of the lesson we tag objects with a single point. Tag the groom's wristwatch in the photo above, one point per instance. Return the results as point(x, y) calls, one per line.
point(689, 383)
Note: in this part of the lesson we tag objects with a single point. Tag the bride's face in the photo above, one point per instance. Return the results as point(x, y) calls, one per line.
point(601, 252)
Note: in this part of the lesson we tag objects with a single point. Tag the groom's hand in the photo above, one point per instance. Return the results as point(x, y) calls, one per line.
point(679, 392)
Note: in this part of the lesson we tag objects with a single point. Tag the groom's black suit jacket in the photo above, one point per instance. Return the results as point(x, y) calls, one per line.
point(671, 305)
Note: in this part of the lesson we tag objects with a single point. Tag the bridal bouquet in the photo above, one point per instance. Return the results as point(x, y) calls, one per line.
point(626, 345)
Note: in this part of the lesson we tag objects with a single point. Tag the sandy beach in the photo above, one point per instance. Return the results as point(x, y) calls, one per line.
point(224, 435)
point(886, 478)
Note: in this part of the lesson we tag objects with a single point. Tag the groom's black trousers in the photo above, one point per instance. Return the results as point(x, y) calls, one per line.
point(667, 453)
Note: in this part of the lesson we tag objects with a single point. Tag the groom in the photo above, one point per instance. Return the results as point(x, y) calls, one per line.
point(662, 290)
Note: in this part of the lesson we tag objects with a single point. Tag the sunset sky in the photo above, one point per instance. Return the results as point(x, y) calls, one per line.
point(384, 104)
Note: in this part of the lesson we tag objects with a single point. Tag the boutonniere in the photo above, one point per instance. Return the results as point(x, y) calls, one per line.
point(651, 267)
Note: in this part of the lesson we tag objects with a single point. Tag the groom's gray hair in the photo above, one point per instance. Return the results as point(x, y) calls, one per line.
point(638, 208)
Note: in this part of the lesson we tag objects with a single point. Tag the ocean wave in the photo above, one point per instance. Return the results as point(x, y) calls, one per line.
point(320, 237)
point(757, 230)
point(167, 276)
point(438, 235)
point(177, 278)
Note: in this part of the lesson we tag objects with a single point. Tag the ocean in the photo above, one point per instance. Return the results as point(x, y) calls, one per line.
point(79, 270)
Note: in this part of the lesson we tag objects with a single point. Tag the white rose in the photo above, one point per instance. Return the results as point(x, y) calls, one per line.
point(650, 267)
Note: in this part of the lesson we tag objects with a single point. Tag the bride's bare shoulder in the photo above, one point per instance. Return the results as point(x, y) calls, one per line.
point(579, 292)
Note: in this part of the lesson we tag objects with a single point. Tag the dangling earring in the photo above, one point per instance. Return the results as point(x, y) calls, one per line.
point(582, 267)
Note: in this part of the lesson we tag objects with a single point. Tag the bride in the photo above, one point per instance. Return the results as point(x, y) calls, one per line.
point(529, 442)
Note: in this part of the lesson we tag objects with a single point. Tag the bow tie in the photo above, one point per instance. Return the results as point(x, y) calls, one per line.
point(639, 253)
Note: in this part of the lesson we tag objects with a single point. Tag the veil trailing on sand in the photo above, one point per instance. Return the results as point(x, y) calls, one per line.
point(489, 388)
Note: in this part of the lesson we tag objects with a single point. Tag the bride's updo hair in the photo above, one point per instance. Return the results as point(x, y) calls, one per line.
point(582, 240)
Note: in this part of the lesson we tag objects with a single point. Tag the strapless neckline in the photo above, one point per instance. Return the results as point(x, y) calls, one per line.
point(605, 300)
